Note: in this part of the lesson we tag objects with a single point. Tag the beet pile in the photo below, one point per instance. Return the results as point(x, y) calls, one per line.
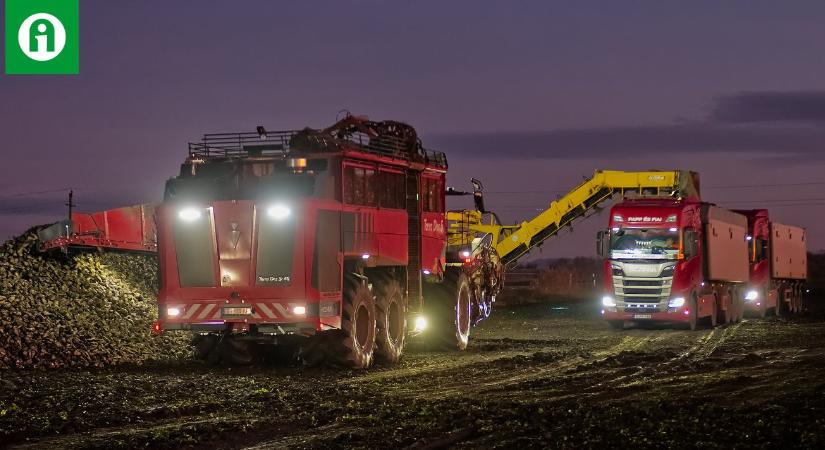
point(78, 310)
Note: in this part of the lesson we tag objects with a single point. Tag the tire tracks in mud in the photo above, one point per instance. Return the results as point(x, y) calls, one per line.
point(529, 366)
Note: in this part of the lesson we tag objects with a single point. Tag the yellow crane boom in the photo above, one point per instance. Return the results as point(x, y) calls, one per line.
point(513, 241)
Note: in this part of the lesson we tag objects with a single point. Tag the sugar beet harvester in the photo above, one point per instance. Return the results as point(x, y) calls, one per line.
point(334, 242)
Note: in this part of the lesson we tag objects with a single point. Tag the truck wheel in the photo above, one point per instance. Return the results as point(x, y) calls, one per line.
point(693, 318)
point(353, 345)
point(451, 313)
point(763, 307)
point(391, 312)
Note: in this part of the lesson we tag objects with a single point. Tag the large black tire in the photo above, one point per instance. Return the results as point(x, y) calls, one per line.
point(449, 310)
point(616, 324)
point(353, 345)
point(763, 304)
point(694, 314)
point(236, 351)
point(391, 314)
point(781, 309)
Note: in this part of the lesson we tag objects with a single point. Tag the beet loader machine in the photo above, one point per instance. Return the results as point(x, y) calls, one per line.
point(334, 242)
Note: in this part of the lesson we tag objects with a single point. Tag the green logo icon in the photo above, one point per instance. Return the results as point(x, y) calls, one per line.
point(42, 37)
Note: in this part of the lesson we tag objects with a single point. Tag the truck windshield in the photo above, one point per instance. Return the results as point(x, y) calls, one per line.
point(637, 243)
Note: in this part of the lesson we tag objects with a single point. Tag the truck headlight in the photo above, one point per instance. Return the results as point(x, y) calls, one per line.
point(677, 302)
point(608, 301)
point(172, 312)
point(279, 211)
point(751, 296)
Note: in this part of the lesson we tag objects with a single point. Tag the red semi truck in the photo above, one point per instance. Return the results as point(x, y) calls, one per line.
point(674, 260)
point(778, 265)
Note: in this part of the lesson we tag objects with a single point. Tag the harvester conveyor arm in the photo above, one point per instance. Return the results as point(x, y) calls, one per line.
point(512, 242)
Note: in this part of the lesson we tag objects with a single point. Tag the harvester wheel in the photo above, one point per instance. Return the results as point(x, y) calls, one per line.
point(353, 345)
point(235, 351)
point(450, 311)
point(391, 314)
point(205, 347)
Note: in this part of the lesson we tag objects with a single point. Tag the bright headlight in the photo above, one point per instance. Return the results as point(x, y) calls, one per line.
point(279, 211)
point(420, 323)
point(676, 302)
point(172, 312)
point(190, 214)
point(299, 310)
point(608, 301)
point(751, 295)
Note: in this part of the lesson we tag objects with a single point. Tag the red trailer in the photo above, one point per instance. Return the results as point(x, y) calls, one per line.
point(778, 265)
point(674, 260)
point(131, 228)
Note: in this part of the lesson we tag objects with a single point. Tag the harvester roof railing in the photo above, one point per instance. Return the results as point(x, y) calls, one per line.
point(280, 143)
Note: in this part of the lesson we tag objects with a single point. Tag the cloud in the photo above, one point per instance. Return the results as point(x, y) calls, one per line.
point(781, 126)
point(756, 107)
point(707, 137)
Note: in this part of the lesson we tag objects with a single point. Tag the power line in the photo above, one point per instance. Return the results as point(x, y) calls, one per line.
point(30, 193)
point(727, 186)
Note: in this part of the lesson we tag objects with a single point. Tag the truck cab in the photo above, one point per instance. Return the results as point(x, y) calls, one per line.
point(672, 260)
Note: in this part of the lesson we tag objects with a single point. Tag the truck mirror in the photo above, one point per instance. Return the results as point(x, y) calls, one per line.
point(600, 243)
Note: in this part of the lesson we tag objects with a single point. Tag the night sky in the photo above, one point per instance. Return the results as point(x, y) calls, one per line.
point(527, 96)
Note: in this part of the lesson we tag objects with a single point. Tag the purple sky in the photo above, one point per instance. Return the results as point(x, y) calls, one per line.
point(527, 96)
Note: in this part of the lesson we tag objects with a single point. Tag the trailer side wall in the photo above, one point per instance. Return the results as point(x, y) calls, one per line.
point(789, 257)
point(726, 251)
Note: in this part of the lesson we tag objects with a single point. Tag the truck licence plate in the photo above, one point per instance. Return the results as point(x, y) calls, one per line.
point(642, 316)
point(237, 311)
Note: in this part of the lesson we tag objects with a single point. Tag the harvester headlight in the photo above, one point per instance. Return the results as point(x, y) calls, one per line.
point(465, 253)
point(299, 310)
point(677, 302)
point(190, 214)
point(751, 296)
point(279, 211)
point(172, 312)
point(608, 301)
point(420, 324)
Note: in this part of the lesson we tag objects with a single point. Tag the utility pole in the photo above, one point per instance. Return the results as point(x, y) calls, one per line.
point(70, 203)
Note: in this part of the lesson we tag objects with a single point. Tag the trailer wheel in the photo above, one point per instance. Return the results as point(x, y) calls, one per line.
point(391, 312)
point(781, 309)
point(763, 304)
point(693, 317)
point(450, 310)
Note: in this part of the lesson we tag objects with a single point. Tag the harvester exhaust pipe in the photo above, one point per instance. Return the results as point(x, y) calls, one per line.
point(478, 195)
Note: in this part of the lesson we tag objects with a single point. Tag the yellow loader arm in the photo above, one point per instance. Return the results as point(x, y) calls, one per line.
point(513, 241)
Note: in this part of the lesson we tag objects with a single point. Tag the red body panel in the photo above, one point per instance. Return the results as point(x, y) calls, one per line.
point(371, 235)
point(130, 228)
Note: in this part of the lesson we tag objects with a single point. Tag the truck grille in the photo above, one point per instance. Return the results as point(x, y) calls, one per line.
point(642, 294)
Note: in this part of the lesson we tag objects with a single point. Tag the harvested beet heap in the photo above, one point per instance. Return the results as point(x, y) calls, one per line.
point(80, 310)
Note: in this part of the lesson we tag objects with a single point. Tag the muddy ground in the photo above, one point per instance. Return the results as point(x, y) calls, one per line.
point(535, 376)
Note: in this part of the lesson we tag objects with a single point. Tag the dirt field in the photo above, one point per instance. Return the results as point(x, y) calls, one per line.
point(538, 376)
